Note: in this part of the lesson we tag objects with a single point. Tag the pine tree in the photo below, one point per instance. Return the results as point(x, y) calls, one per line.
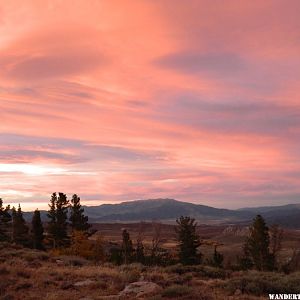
point(78, 220)
point(37, 230)
point(218, 258)
point(140, 256)
point(62, 205)
point(127, 248)
point(245, 262)
point(188, 240)
point(14, 219)
point(5, 222)
point(58, 215)
point(98, 249)
point(276, 235)
point(19, 227)
point(52, 224)
point(156, 250)
point(256, 248)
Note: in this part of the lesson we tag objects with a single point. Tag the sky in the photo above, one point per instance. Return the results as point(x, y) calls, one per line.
point(123, 100)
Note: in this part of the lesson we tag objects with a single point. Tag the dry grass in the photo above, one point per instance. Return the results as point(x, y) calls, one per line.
point(28, 274)
point(20, 280)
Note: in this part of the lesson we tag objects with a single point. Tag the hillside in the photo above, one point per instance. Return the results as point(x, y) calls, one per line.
point(160, 209)
point(284, 215)
point(269, 209)
point(167, 210)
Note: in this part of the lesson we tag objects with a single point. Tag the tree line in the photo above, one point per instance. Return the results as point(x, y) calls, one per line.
point(68, 232)
point(62, 214)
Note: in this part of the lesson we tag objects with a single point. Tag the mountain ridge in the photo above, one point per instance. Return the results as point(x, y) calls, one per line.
point(168, 210)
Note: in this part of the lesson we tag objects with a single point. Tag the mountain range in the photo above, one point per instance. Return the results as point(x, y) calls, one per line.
point(168, 210)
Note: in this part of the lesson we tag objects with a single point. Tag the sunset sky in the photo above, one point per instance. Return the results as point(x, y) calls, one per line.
point(123, 100)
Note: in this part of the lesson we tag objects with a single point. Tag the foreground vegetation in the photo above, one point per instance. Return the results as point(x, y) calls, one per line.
point(66, 258)
point(30, 274)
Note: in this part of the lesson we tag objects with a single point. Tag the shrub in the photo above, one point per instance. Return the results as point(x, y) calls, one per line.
point(131, 273)
point(199, 271)
point(258, 283)
point(34, 255)
point(23, 274)
point(4, 271)
point(212, 272)
point(133, 266)
point(23, 286)
point(178, 269)
point(156, 276)
point(177, 290)
point(71, 260)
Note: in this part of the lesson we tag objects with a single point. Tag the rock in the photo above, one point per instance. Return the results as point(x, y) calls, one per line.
point(59, 262)
point(84, 283)
point(238, 292)
point(140, 289)
point(66, 285)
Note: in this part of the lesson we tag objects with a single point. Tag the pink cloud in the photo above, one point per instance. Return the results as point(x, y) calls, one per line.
point(194, 101)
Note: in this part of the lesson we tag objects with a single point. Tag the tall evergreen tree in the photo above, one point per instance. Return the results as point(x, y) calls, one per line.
point(188, 240)
point(78, 220)
point(218, 258)
point(5, 222)
point(256, 248)
point(37, 230)
point(19, 227)
point(52, 224)
point(62, 219)
point(127, 249)
point(140, 256)
point(58, 215)
point(276, 236)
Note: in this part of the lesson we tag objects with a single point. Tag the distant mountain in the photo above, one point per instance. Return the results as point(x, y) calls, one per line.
point(262, 209)
point(160, 209)
point(156, 209)
point(284, 215)
point(168, 210)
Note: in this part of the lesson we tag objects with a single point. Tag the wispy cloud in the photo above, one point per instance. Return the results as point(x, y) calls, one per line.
point(198, 101)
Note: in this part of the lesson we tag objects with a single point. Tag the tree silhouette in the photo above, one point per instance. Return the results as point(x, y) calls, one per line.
point(98, 249)
point(37, 230)
point(78, 220)
point(155, 256)
point(256, 248)
point(19, 227)
point(58, 215)
point(127, 249)
point(218, 258)
point(139, 252)
point(5, 222)
point(140, 256)
point(276, 235)
point(188, 240)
